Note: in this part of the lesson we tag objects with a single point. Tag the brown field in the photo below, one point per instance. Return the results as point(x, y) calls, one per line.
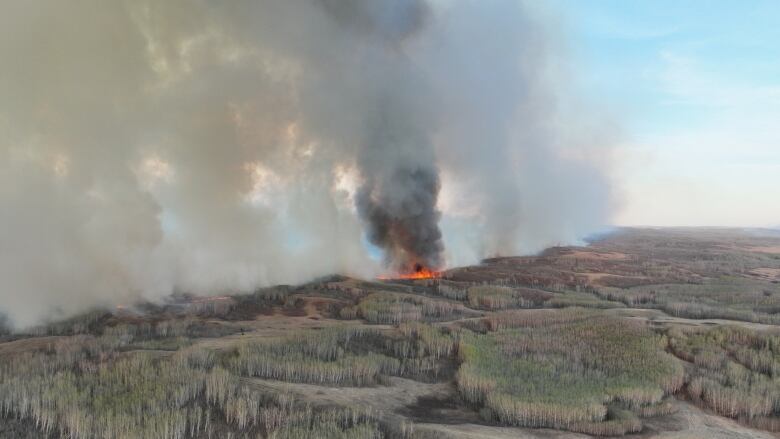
point(419, 345)
point(767, 273)
point(765, 249)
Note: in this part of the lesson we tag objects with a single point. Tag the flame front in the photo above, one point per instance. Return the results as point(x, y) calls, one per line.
point(420, 272)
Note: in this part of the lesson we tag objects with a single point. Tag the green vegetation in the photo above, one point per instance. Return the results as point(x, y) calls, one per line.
point(182, 327)
point(395, 308)
point(85, 386)
point(558, 369)
point(581, 299)
point(345, 356)
point(736, 373)
point(452, 290)
point(712, 273)
point(492, 297)
point(537, 318)
point(327, 357)
point(81, 388)
point(526, 340)
point(725, 297)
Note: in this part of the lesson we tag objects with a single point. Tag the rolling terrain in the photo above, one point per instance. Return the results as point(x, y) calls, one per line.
point(668, 333)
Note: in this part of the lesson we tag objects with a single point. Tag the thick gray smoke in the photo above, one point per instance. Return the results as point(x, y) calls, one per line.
point(149, 147)
point(397, 197)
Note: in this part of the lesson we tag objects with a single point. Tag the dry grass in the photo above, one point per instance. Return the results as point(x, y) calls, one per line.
point(600, 371)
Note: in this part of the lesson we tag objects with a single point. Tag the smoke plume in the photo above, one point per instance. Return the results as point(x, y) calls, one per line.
point(150, 147)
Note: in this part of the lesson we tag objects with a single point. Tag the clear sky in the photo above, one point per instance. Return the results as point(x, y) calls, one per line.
point(695, 86)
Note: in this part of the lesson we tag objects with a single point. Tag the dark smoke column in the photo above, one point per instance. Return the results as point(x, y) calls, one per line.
point(397, 198)
point(400, 179)
point(399, 210)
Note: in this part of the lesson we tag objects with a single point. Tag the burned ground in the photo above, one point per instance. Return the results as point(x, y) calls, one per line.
point(652, 333)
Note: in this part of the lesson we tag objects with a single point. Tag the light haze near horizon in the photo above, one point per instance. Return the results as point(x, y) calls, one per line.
point(695, 86)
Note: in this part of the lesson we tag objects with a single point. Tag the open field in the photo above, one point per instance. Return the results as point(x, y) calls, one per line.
point(668, 333)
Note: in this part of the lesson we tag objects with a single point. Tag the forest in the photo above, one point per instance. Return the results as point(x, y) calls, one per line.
point(609, 339)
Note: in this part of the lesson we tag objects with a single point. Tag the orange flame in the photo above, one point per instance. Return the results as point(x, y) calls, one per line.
point(419, 273)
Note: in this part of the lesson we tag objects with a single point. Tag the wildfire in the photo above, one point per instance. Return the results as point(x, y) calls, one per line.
point(210, 299)
point(420, 272)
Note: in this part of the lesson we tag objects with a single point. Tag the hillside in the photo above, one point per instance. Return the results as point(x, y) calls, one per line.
point(671, 333)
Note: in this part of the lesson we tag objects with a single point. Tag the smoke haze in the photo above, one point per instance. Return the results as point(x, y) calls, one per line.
point(149, 147)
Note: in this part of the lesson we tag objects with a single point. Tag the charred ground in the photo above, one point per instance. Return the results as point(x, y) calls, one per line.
point(648, 332)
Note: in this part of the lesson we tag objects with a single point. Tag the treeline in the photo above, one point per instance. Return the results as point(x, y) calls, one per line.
point(581, 299)
point(396, 308)
point(86, 386)
point(78, 388)
point(737, 372)
point(182, 327)
point(492, 297)
point(345, 356)
point(536, 318)
point(147, 316)
point(730, 298)
point(89, 322)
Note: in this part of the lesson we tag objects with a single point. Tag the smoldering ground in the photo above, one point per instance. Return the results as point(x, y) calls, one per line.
point(149, 147)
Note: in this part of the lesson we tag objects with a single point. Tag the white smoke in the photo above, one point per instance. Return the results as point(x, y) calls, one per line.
point(205, 146)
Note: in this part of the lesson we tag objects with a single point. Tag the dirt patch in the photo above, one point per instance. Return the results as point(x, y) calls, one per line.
point(766, 273)
point(440, 409)
point(475, 431)
point(27, 344)
point(248, 310)
point(772, 249)
point(321, 307)
point(390, 400)
point(616, 280)
point(293, 312)
point(596, 256)
point(691, 422)
point(594, 278)
point(659, 318)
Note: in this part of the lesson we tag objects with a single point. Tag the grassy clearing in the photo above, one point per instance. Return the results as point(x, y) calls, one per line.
point(589, 373)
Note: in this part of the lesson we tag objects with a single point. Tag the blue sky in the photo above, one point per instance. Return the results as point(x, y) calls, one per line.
point(695, 86)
